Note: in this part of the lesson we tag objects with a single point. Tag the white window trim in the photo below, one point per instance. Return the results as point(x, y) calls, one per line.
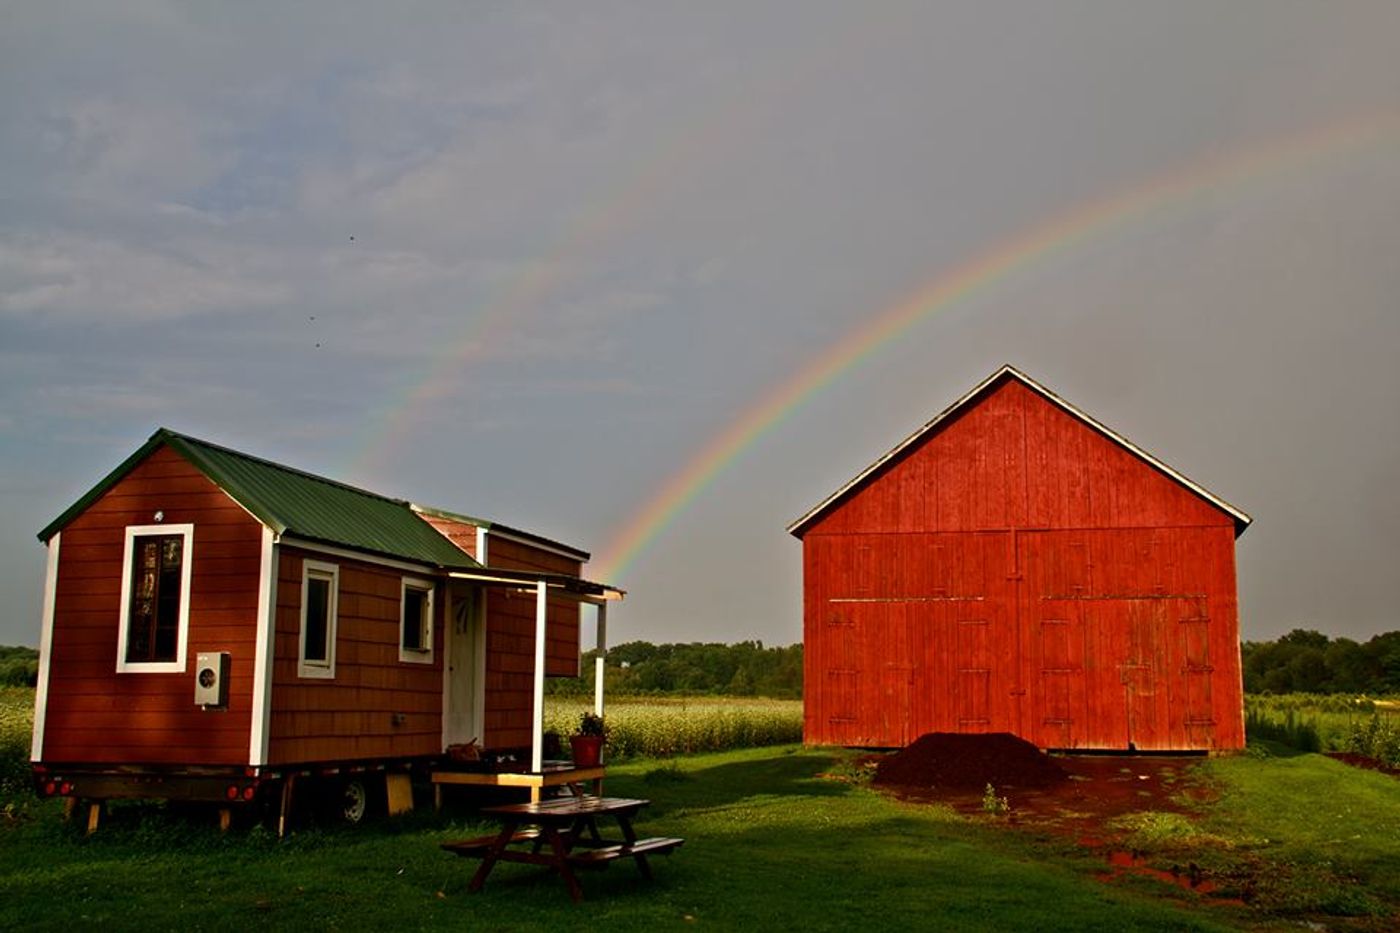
point(322, 670)
point(182, 633)
point(424, 656)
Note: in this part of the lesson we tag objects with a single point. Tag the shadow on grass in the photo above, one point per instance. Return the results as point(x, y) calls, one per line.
point(793, 774)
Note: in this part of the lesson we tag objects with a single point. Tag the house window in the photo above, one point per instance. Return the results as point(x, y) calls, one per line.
point(155, 606)
point(320, 595)
point(416, 621)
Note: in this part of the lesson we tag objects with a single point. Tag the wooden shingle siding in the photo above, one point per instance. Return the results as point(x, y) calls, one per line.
point(94, 714)
point(353, 715)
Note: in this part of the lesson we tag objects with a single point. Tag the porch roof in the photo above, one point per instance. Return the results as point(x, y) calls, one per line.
point(558, 584)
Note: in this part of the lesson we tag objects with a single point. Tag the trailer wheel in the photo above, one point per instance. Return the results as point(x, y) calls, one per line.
point(354, 800)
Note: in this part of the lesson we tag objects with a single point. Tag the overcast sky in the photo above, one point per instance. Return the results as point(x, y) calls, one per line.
point(527, 261)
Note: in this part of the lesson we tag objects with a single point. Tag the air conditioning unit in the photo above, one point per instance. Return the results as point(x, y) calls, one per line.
point(211, 679)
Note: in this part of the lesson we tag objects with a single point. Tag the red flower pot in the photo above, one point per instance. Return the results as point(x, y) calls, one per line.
point(587, 750)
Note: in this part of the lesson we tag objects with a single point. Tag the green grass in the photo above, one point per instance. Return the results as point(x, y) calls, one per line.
point(782, 838)
point(769, 845)
point(1307, 834)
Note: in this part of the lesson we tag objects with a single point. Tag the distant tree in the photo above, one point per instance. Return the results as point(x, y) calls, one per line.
point(19, 667)
point(748, 668)
point(1307, 661)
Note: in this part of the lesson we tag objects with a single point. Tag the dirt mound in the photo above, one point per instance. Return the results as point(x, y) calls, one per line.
point(949, 761)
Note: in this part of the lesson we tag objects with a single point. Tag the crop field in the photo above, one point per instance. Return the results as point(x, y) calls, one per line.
point(663, 726)
point(16, 723)
point(1328, 723)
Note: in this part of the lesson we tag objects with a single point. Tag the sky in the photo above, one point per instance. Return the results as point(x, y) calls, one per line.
point(654, 279)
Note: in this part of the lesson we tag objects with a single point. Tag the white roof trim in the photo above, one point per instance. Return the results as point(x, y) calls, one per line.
point(1241, 518)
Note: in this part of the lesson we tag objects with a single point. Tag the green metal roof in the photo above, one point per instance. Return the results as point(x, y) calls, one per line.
point(293, 502)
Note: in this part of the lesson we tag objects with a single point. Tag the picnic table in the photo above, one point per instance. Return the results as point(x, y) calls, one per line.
point(562, 834)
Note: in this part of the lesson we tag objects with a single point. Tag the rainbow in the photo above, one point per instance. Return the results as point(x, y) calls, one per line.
point(1034, 248)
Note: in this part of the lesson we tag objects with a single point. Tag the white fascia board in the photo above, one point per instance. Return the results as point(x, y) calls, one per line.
point(41, 693)
point(580, 556)
point(259, 729)
point(364, 557)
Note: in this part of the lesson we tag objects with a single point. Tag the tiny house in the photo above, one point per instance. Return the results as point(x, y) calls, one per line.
point(217, 625)
point(1016, 566)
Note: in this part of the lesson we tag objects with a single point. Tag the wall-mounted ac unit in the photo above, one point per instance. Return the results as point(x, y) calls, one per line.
point(211, 679)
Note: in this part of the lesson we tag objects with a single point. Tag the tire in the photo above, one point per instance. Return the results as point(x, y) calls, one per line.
point(352, 801)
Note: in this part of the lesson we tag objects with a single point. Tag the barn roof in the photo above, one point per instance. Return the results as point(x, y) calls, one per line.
point(797, 528)
point(290, 501)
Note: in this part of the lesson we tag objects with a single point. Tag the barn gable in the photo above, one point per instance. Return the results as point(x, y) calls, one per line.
point(1011, 452)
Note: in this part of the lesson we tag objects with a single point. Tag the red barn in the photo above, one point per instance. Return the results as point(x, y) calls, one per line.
point(1016, 566)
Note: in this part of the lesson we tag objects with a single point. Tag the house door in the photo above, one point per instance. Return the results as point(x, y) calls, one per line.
point(464, 676)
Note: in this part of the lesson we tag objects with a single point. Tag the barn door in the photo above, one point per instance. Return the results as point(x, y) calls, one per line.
point(1138, 672)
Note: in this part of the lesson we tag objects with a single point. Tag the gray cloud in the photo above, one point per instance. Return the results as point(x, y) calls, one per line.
point(603, 231)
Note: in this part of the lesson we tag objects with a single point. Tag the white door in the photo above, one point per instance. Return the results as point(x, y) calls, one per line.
point(464, 679)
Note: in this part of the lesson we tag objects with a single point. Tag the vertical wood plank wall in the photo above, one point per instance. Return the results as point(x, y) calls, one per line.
point(96, 715)
point(1017, 571)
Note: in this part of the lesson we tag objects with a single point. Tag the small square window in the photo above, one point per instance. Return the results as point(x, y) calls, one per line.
point(320, 595)
point(416, 621)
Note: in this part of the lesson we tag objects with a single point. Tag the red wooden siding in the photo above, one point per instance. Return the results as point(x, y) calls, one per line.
point(353, 715)
point(510, 641)
point(1018, 571)
point(97, 715)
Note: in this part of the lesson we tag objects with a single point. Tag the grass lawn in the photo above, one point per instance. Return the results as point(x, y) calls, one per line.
point(772, 842)
point(770, 845)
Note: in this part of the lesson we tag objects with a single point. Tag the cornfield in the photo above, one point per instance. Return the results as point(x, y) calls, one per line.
point(1328, 723)
point(662, 726)
point(16, 724)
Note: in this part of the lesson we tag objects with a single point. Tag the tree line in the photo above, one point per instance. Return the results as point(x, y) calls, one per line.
point(1305, 661)
point(19, 667)
point(748, 668)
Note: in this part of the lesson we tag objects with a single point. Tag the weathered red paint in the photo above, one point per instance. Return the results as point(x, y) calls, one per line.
point(1015, 570)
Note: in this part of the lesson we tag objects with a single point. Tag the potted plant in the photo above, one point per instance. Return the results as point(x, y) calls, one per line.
point(587, 745)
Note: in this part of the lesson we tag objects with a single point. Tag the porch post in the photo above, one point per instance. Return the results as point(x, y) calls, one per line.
point(537, 735)
point(598, 661)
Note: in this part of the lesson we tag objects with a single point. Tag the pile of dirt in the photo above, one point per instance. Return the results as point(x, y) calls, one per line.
point(953, 762)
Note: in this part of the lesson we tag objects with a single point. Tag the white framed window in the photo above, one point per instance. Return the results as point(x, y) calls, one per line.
point(320, 603)
point(416, 621)
point(155, 608)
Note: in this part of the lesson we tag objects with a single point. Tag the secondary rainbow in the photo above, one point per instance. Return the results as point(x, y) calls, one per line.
point(654, 173)
point(1037, 246)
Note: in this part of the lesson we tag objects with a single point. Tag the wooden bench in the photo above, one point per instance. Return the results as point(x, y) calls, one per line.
point(600, 857)
point(479, 845)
